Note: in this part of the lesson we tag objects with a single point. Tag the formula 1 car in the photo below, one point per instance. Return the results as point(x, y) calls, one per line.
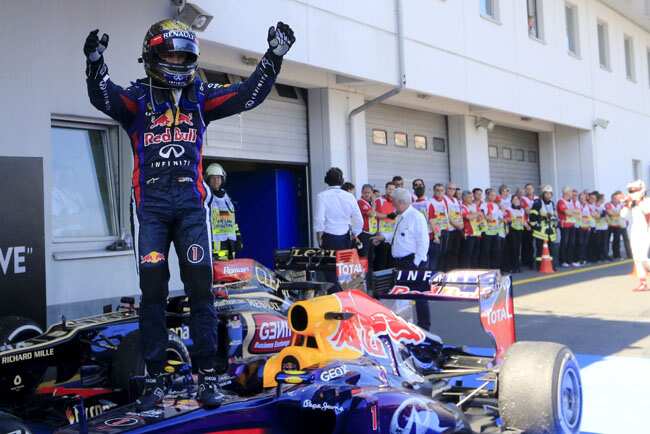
point(43, 376)
point(354, 366)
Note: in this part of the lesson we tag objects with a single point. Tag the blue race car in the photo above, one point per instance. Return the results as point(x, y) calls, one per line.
point(354, 366)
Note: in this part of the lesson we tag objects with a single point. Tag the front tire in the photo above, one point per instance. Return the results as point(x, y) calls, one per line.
point(540, 390)
point(14, 329)
point(128, 360)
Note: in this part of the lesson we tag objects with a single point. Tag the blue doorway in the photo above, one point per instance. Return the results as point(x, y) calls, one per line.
point(271, 206)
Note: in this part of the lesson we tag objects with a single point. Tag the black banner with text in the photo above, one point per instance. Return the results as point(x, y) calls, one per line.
point(22, 238)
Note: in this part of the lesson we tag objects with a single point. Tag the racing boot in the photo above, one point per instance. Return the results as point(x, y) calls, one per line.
point(209, 393)
point(154, 391)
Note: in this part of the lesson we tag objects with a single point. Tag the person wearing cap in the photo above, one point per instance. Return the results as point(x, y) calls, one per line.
point(636, 210)
point(226, 238)
point(543, 221)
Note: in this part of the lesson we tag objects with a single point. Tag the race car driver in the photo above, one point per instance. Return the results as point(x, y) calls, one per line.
point(165, 116)
point(226, 238)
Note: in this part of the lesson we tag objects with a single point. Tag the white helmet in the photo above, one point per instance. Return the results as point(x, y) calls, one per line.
point(215, 169)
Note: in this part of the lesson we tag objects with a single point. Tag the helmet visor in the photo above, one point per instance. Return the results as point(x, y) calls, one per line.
point(176, 45)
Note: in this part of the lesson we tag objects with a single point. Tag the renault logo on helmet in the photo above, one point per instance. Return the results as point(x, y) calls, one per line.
point(167, 150)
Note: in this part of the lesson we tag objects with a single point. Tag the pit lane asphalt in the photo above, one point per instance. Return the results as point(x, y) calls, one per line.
point(595, 313)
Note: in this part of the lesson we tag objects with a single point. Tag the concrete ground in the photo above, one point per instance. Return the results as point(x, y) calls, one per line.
point(594, 312)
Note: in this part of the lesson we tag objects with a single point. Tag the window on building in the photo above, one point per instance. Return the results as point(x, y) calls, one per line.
point(629, 58)
point(379, 137)
point(401, 140)
point(493, 152)
point(420, 142)
point(506, 153)
point(518, 155)
point(573, 40)
point(603, 45)
point(439, 144)
point(490, 9)
point(535, 19)
point(286, 91)
point(83, 192)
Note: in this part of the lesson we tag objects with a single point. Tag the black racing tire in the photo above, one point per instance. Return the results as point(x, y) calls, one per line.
point(10, 424)
point(539, 389)
point(128, 360)
point(14, 329)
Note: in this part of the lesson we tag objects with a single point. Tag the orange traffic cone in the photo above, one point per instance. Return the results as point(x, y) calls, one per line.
point(547, 261)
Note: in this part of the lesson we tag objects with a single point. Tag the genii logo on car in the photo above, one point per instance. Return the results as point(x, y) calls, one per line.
point(272, 333)
point(333, 373)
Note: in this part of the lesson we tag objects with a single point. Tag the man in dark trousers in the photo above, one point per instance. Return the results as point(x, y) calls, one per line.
point(410, 244)
point(338, 218)
point(165, 116)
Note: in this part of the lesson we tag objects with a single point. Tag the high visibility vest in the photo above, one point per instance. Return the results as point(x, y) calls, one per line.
point(616, 220)
point(438, 218)
point(384, 206)
point(453, 208)
point(546, 229)
point(369, 223)
point(493, 219)
point(587, 219)
point(517, 219)
point(222, 220)
point(473, 225)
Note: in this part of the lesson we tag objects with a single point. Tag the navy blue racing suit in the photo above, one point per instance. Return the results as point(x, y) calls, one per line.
point(170, 200)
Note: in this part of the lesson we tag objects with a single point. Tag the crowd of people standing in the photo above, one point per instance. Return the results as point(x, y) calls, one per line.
point(502, 228)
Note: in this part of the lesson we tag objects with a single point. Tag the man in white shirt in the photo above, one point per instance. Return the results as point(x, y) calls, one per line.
point(337, 213)
point(410, 244)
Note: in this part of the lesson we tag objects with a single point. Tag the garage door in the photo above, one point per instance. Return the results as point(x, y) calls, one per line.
point(276, 130)
point(514, 157)
point(405, 142)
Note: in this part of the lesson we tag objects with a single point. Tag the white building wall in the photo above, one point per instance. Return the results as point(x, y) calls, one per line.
point(453, 52)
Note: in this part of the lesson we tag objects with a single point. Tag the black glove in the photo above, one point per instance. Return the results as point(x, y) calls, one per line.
point(392, 216)
point(280, 39)
point(94, 47)
point(239, 245)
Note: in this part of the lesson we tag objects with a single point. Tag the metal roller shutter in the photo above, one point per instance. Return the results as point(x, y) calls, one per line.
point(514, 157)
point(275, 131)
point(386, 161)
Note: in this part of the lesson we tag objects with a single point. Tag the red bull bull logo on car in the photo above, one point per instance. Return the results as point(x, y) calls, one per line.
point(371, 321)
point(152, 258)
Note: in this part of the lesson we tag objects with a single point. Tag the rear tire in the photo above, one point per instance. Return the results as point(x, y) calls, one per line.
point(14, 329)
point(128, 360)
point(540, 390)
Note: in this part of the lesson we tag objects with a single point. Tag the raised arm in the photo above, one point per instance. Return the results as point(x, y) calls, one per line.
point(222, 101)
point(105, 96)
